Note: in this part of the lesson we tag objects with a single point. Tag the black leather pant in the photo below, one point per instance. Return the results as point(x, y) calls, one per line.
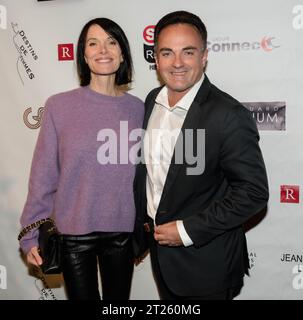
point(81, 256)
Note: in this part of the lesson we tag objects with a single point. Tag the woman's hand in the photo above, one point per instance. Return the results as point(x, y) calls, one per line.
point(140, 259)
point(33, 257)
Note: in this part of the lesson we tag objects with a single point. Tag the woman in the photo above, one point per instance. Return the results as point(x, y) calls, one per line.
point(91, 199)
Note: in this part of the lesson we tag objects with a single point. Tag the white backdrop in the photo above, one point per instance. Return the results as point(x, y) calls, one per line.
point(256, 55)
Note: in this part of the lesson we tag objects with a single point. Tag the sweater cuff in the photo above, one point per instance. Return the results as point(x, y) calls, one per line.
point(29, 241)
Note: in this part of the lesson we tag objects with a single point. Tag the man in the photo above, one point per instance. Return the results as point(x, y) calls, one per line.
point(193, 212)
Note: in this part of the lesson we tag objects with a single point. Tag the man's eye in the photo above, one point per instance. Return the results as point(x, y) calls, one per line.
point(188, 53)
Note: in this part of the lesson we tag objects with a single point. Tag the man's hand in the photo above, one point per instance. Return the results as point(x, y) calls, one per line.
point(167, 234)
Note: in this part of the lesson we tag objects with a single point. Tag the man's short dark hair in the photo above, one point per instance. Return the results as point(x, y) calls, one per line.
point(124, 73)
point(181, 17)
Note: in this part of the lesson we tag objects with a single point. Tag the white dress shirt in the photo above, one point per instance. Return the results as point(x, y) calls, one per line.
point(163, 129)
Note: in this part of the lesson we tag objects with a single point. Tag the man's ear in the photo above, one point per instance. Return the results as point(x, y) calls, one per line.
point(204, 58)
point(156, 59)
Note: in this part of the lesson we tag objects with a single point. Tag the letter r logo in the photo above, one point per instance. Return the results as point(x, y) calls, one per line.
point(65, 51)
point(290, 194)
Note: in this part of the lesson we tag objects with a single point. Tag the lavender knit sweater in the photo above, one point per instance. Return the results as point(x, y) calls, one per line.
point(66, 179)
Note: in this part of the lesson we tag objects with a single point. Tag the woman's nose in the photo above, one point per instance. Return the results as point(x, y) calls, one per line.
point(102, 48)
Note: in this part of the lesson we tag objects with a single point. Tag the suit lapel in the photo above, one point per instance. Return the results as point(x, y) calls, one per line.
point(149, 105)
point(191, 122)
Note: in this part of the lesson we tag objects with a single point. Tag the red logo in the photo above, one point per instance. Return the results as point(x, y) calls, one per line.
point(148, 34)
point(65, 51)
point(290, 194)
point(267, 45)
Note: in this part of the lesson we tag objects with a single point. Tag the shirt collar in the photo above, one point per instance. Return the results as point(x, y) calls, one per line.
point(185, 102)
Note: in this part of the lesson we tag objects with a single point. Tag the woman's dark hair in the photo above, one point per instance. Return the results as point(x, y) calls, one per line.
point(125, 71)
point(181, 17)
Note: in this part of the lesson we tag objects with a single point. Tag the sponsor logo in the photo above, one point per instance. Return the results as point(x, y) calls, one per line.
point(148, 34)
point(268, 115)
point(148, 46)
point(297, 21)
point(297, 282)
point(290, 257)
point(3, 277)
point(27, 55)
point(65, 51)
point(297, 270)
point(289, 194)
point(224, 44)
point(3, 17)
point(35, 121)
point(252, 259)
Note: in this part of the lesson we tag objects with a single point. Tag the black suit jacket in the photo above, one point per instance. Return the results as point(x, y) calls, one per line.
point(214, 204)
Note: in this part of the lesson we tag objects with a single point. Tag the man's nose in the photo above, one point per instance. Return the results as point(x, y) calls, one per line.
point(178, 61)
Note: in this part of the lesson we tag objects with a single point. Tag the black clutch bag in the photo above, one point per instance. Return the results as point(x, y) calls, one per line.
point(49, 246)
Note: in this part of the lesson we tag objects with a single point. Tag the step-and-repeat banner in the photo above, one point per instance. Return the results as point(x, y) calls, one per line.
point(255, 54)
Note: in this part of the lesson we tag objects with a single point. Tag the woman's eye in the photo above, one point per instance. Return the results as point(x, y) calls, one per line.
point(112, 42)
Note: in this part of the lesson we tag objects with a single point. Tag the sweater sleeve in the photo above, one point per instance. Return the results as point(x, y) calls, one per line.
point(43, 179)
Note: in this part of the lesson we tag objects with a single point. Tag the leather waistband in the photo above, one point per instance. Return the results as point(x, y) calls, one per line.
point(93, 236)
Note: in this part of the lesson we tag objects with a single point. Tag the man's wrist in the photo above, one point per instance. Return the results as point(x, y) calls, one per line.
point(186, 240)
